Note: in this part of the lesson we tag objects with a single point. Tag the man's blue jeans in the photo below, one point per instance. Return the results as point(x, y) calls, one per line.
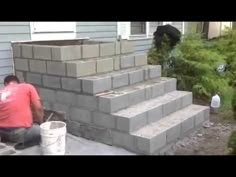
point(21, 135)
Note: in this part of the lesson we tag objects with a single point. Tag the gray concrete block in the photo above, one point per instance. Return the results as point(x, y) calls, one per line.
point(116, 63)
point(66, 53)
point(107, 49)
point(131, 124)
point(148, 93)
point(169, 107)
point(206, 114)
point(105, 65)
point(94, 86)
point(155, 71)
point(158, 90)
point(88, 102)
point(90, 51)
point(47, 94)
point(80, 115)
point(67, 98)
point(126, 62)
point(173, 133)
point(20, 75)
point(123, 140)
point(47, 105)
point(81, 68)
point(34, 78)
point(51, 81)
point(120, 80)
point(112, 103)
point(103, 120)
point(73, 128)
point(102, 135)
point(21, 64)
point(27, 51)
point(118, 48)
point(199, 118)
point(137, 96)
point(126, 47)
point(187, 100)
point(146, 74)
point(187, 125)
point(16, 50)
point(38, 66)
point(56, 68)
point(170, 85)
point(136, 76)
point(155, 114)
point(140, 59)
point(58, 107)
point(42, 52)
point(71, 84)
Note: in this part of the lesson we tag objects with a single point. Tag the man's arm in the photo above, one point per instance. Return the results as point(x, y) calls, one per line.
point(36, 105)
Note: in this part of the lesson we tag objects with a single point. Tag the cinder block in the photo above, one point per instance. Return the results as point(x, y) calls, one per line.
point(136, 76)
point(112, 103)
point(81, 68)
point(56, 68)
point(173, 133)
point(149, 146)
point(67, 98)
point(38, 66)
point(34, 78)
point(21, 64)
point(169, 107)
point(42, 52)
point(120, 80)
point(199, 118)
point(73, 128)
point(27, 51)
point(90, 51)
point(47, 105)
point(170, 85)
point(155, 114)
point(47, 94)
point(102, 135)
point(136, 96)
point(141, 59)
point(206, 113)
point(133, 123)
point(71, 84)
point(187, 99)
point(155, 71)
point(20, 75)
point(116, 63)
point(80, 115)
point(107, 49)
point(123, 140)
point(187, 125)
point(126, 62)
point(148, 93)
point(158, 90)
point(51, 81)
point(118, 48)
point(104, 65)
point(88, 102)
point(126, 47)
point(103, 120)
point(66, 53)
point(146, 74)
point(16, 50)
point(94, 86)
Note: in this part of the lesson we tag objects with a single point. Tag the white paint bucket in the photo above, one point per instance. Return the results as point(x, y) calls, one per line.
point(53, 138)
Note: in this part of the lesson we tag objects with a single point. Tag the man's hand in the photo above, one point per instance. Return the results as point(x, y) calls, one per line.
point(37, 110)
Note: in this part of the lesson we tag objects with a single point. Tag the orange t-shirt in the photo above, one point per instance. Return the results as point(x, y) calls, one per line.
point(15, 105)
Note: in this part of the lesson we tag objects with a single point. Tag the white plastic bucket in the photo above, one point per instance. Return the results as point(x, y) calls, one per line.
point(53, 138)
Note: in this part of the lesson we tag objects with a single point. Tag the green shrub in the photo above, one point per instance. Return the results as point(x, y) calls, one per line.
point(234, 103)
point(232, 143)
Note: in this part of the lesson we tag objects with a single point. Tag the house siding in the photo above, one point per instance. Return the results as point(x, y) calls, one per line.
point(10, 31)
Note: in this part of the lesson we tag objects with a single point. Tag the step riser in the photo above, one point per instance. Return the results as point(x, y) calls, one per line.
point(152, 115)
point(95, 85)
point(114, 102)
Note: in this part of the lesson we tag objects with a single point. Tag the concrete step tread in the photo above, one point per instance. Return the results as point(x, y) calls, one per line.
point(153, 129)
point(112, 73)
point(144, 106)
point(137, 86)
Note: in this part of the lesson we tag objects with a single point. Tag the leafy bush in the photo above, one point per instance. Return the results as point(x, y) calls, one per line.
point(232, 142)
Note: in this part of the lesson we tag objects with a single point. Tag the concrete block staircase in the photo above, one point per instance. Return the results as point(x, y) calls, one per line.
point(109, 93)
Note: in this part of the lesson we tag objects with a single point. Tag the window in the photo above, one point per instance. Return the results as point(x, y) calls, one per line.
point(138, 28)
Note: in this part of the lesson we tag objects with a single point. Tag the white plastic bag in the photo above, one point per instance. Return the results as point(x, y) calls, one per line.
point(215, 101)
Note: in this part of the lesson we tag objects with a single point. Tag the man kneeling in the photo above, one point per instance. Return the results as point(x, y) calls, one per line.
point(21, 113)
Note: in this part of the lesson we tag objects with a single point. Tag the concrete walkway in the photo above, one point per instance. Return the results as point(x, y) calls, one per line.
point(80, 146)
